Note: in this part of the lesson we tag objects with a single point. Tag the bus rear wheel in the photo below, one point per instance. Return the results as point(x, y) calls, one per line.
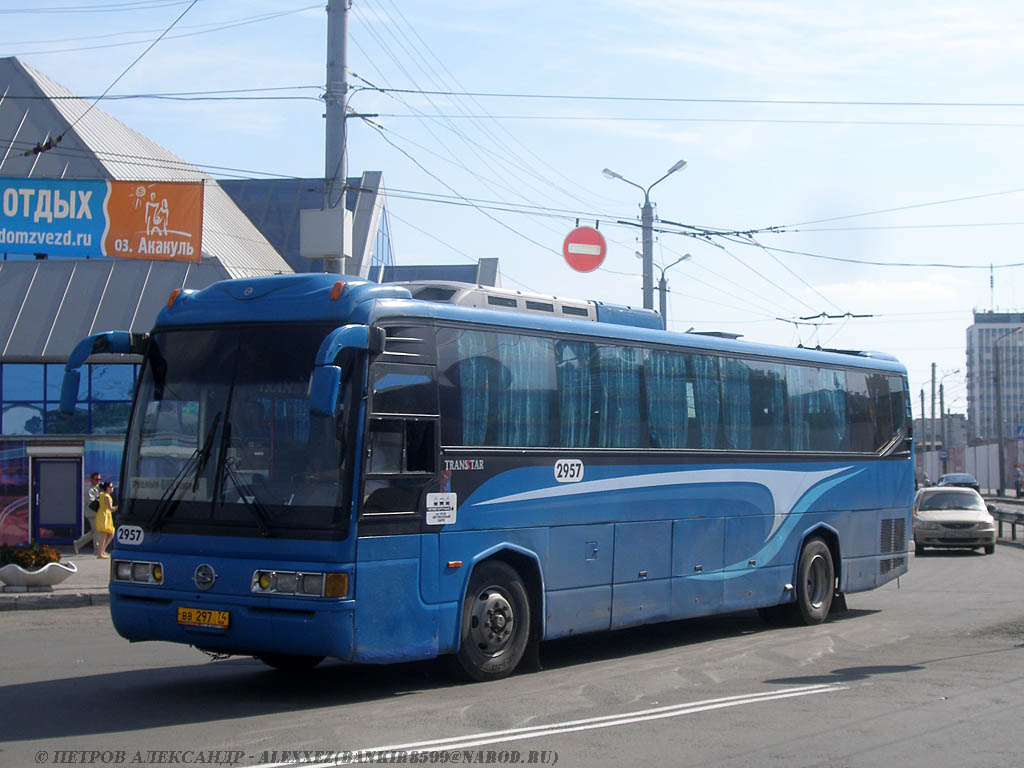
point(815, 583)
point(286, 662)
point(495, 623)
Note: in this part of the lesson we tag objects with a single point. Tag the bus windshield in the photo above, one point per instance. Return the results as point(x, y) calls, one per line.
point(222, 439)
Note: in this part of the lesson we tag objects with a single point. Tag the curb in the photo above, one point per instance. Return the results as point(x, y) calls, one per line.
point(35, 602)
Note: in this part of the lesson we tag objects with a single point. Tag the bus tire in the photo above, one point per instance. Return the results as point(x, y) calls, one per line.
point(286, 662)
point(495, 623)
point(815, 583)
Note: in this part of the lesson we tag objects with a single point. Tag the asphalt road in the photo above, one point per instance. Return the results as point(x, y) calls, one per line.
point(927, 672)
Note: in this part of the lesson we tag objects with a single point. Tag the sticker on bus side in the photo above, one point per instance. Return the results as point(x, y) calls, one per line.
point(131, 535)
point(441, 508)
point(568, 470)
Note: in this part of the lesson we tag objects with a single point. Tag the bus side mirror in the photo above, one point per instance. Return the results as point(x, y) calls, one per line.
point(109, 342)
point(325, 382)
point(69, 391)
point(323, 390)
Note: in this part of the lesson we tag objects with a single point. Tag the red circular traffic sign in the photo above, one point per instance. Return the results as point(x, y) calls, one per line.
point(584, 249)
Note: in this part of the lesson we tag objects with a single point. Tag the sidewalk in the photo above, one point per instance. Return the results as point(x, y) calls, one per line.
point(87, 587)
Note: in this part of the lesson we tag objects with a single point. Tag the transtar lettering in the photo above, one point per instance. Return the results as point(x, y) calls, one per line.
point(454, 464)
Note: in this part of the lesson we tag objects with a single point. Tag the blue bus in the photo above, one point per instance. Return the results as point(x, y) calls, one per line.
point(319, 466)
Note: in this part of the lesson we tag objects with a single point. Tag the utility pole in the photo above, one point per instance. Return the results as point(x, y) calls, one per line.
point(335, 100)
point(997, 380)
point(932, 423)
point(944, 456)
point(647, 225)
point(922, 454)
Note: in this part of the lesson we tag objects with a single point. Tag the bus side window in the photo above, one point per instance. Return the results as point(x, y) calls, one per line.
point(398, 447)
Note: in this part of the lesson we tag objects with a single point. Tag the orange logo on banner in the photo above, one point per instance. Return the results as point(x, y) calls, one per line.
point(155, 220)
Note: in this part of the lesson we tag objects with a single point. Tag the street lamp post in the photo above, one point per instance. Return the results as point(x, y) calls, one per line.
point(943, 426)
point(663, 287)
point(647, 227)
point(998, 381)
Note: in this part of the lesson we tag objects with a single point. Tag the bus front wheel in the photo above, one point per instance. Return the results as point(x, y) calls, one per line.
point(495, 623)
point(815, 583)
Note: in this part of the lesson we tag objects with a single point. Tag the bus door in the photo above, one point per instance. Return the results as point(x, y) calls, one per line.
point(400, 473)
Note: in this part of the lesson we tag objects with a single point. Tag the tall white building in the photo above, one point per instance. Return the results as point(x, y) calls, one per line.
point(1005, 329)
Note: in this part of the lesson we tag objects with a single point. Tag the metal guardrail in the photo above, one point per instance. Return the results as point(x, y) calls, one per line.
point(1013, 517)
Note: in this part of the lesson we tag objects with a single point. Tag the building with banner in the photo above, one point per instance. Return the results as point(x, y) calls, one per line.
point(96, 230)
point(98, 224)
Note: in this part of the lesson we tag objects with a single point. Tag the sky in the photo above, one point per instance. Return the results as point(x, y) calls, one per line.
point(870, 151)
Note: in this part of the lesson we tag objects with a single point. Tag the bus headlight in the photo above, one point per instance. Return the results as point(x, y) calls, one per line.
point(137, 572)
point(300, 583)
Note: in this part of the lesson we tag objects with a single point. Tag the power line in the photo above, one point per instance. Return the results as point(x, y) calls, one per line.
point(737, 120)
point(130, 5)
point(243, 21)
point(163, 95)
point(900, 208)
point(380, 132)
point(694, 100)
point(51, 143)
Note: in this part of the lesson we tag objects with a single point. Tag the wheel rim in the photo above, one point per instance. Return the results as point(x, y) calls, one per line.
point(492, 622)
point(817, 581)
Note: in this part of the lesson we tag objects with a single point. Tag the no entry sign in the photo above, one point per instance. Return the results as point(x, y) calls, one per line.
point(584, 249)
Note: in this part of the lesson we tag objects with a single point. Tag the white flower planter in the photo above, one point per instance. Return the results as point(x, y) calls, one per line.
point(51, 573)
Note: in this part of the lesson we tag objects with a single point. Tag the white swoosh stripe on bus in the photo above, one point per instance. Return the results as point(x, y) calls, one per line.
point(786, 486)
point(572, 726)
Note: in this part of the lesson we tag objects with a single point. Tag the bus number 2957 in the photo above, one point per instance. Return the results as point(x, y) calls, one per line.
point(568, 470)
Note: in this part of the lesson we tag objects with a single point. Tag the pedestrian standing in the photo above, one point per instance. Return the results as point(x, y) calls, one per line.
point(90, 505)
point(1018, 480)
point(105, 518)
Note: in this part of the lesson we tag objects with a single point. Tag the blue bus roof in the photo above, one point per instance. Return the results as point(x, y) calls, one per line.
point(308, 298)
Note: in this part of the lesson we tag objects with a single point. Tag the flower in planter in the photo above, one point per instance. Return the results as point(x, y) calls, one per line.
point(29, 556)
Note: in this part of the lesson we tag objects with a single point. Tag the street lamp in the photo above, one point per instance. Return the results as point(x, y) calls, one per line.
point(997, 380)
point(663, 286)
point(647, 225)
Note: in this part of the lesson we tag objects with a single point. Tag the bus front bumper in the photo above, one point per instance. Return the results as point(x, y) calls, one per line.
point(243, 625)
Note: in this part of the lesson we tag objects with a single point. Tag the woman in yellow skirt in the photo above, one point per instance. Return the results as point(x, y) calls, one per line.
point(105, 518)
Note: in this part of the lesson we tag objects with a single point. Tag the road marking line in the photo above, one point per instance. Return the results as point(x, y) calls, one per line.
point(572, 726)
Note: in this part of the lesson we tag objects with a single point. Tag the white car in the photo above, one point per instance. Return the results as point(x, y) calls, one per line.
point(951, 517)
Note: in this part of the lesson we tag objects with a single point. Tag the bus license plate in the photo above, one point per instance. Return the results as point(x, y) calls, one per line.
point(200, 617)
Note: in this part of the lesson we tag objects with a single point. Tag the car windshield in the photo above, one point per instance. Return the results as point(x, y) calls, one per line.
point(952, 500)
point(222, 438)
point(950, 479)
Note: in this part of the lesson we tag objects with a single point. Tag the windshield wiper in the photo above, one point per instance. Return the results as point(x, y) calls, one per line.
point(169, 500)
point(247, 495)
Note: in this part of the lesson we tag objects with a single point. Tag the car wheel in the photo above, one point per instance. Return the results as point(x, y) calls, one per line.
point(990, 549)
point(918, 549)
point(495, 623)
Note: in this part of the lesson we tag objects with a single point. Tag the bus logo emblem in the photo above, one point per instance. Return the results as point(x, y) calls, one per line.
point(204, 577)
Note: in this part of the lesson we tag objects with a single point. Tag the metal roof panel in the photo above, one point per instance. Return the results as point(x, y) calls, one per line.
point(46, 293)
